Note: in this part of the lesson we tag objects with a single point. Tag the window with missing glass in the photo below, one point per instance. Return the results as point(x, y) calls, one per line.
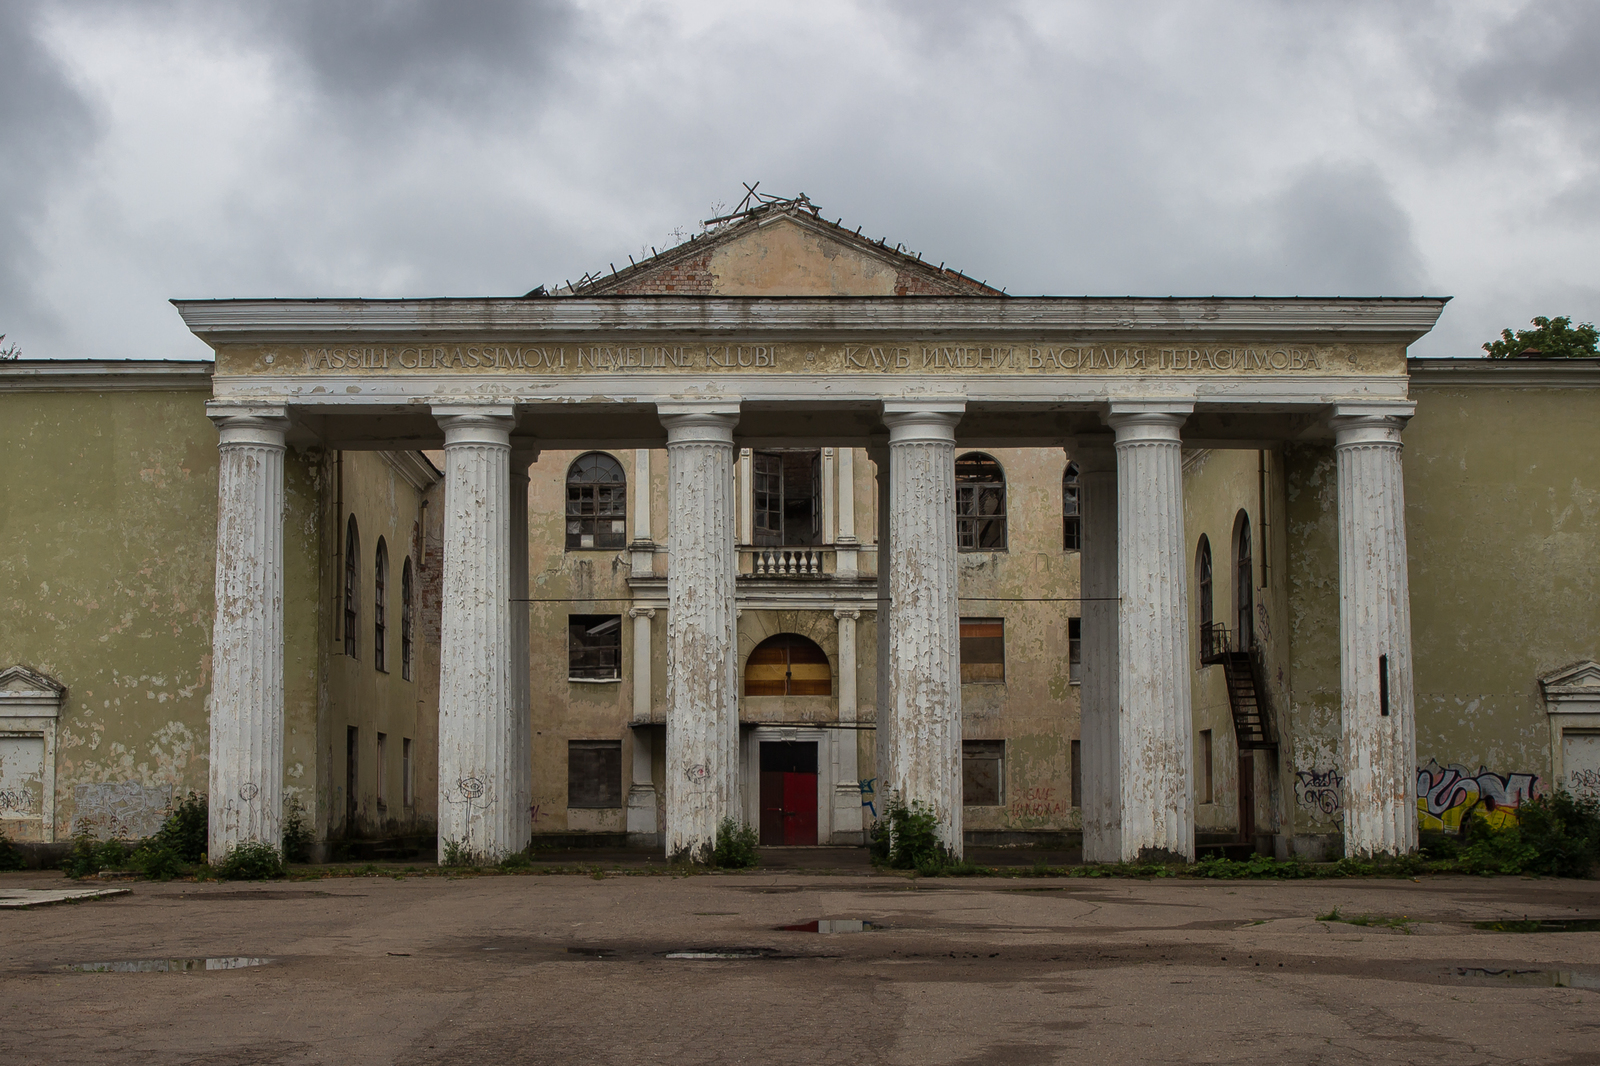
point(983, 651)
point(1071, 519)
point(1075, 650)
point(786, 497)
point(983, 773)
point(594, 647)
point(980, 504)
point(597, 502)
point(594, 773)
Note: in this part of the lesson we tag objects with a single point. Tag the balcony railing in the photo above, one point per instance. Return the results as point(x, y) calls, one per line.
point(1215, 643)
point(794, 563)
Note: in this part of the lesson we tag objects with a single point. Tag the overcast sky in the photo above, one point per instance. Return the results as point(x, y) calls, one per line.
point(481, 147)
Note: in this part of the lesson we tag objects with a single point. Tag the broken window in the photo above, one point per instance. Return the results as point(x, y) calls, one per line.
point(788, 665)
point(380, 596)
point(983, 777)
point(786, 496)
point(1075, 650)
point(1071, 520)
point(382, 772)
point(408, 595)
point(408, 788)
point(597, 500)
point(1210, 640)
point(594, 773)
point(983, 650)
point(594, 647)
point(1244, 583)
point(351, 585)
point(980, 504)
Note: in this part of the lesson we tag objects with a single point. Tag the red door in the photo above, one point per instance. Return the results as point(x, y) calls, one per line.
point(789, 793)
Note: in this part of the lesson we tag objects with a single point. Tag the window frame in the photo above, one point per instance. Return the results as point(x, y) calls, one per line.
point(974, 677)
point(607, 501)
point(380, 605)
point(352, 589)
point(972, 524)
point(612, 784)
point(574, 650)
point(408, 595)
point(974, 751)
point(1074, 651)
point(1071, 517)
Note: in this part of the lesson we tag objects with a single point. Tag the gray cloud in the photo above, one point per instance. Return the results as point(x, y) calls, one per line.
point(404, 147)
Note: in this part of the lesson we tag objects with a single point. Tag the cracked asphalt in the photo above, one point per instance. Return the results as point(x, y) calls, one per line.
point(1017, 971)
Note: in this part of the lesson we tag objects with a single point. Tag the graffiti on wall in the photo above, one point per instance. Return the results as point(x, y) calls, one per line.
point(126, 810)
point(1448, 795)
point(1320, 791)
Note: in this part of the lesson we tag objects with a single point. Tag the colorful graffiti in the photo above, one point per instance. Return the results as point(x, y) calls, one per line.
point(1320, 791)
point(1448, 795)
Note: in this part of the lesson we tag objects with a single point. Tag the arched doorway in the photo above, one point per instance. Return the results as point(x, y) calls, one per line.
point(788, 664)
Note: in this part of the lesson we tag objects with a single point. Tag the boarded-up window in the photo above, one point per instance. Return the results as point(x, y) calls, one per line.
point(983, 776)
point(983, 650)
point(594, 647)
point(594, 773)
point(1075, 650)
point(788, 665)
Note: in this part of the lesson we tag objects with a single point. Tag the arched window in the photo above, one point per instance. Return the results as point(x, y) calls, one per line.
point(787, 665)
point(980, 504)
point(1244, 582)
point(1071, 521)
point(597, 500)
point(380, 603)
point(407, 600)
point(1209, 643)
point(352, 552)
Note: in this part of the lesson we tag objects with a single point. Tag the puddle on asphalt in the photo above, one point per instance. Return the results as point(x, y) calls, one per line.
point(833, 925)
point(702, 954)
point(1529, 978)
point(230, 962)
point(1542, 925)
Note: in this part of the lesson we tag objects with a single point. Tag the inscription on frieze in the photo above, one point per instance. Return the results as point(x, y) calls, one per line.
point(824, 359)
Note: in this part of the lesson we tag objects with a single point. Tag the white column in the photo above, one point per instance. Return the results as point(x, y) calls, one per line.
point(521, 683)
point(246, 706)
point(883, 734)
point(924, 704)
point(641, 790)
point(1378, 738)
point(747, 533)
point(846, 562)
point(702, 694)
point(642, 547)
point(478, 738)
point(1157, 778)
point(1097, 695)
point(830, 532)
point(846, 777)
point(641, 661)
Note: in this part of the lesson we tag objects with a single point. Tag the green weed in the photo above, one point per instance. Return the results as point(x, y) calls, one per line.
point(736, 846)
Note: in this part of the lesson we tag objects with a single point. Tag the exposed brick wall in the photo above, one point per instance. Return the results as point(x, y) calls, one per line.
point(689, 276)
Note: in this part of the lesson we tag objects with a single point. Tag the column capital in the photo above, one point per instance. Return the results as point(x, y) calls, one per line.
point(1148, 420)
point(923, 421)
point(842, 613)
point(521, 459)
point(263, 424)
point(476, 423)
point(1369, 423)
point(641, 612)
point(699, 421)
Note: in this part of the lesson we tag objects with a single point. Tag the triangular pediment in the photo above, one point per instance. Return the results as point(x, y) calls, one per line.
point(1575, 679)
point(16, 681)
point(781, 249)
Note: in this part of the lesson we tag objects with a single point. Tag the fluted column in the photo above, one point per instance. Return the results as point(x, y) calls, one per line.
point(479, 742)
point(521, 682)
point(1378, 725)
point(702, 669)
point(246, 707)
point(1157, 778)
point(924, 703)
point(1097, 695)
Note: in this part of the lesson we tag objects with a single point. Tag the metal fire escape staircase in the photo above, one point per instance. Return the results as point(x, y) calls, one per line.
point(1253, 728)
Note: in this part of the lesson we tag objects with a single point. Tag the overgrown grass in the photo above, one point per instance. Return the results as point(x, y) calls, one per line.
point(254, 861)
point(736, 846)
point(297, 835)
point(1401, 923)
point(10, 857)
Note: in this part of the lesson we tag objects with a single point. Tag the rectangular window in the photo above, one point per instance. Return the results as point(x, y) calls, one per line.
point(408, 788)
point(594, 647)
point(1077, 773)
point(594, 773)
point(983, 651)
point(1205, 766)
point(983, 777)
point(383, 771)
point(1075, 650)
point(786, 496)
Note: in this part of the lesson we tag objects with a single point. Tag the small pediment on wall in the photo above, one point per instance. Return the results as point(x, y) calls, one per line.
point(19, 681)
point(1575, 682)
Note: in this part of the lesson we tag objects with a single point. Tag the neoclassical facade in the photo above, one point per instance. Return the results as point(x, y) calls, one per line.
point(784, 525)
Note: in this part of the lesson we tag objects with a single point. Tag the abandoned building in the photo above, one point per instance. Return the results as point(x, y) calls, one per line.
point(783, 524)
